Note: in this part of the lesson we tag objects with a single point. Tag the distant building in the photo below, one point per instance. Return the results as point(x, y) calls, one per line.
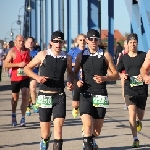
point(117, 35)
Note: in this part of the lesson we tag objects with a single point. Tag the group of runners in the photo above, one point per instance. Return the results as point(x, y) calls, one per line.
point(88, 84)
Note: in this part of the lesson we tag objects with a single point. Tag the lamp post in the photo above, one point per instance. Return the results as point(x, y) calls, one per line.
point(11, 31)
point(19, 20)
point(29, 9)
point(6, 35)
point(41, 21)
point(99, 17)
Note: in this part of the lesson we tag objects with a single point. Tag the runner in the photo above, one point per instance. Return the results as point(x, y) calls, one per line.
point(52, 98)
point(33, 82)
point(135, 91)
point(125, 51)
point(146, 68)
point(94, 63)
point(73, 53)
point(16, 59)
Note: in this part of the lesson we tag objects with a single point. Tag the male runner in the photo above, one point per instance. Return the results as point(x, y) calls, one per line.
point(18, 57)
point(33, 82)
point(73, 53)
point(52, 98)
point(135, 91)
point(93, 100)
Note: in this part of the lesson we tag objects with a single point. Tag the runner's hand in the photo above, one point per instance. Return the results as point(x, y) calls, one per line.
point(99, 79)
point(147, 79)
point(75, 104)
point(80, 83)
point(139, 77)
point(124, 76)
point(21, 65)
point(69, 86)
point(41, 79)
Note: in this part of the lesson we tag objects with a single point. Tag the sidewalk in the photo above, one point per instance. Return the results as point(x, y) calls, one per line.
point(115, 134)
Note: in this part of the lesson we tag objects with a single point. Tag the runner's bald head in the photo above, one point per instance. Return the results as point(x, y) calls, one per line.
point(18, 37)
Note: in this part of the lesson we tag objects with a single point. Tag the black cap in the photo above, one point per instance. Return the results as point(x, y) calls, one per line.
point(57, 34)
point(132, 36)
point(93, 33)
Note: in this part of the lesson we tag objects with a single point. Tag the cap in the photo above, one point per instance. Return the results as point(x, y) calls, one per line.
point(57, 34)
point(93, 33)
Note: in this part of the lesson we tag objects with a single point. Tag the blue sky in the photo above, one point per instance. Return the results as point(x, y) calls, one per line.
point(9, 13)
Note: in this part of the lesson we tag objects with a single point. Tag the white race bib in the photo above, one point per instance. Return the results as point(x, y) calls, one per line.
point(20, 72)
point(44, 101)
point(134, 81)
point(100, 101)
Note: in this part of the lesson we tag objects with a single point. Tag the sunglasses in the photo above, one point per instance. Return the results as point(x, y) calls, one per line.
point(57, 41)
point(93, 39)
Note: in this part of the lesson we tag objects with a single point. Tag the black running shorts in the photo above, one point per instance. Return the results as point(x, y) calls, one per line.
point(86, 107)
point(76, 94)
point(17, 85)
point(139, 101)
point(58, 109)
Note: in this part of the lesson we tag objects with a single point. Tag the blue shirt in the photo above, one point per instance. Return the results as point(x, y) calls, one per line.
point(33, 53)
point(73, 53)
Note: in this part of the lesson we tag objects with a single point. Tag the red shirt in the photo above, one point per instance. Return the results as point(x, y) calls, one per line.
point(18, 73)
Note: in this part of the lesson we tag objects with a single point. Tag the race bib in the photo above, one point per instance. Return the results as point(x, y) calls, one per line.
point(44, 101)
point(100, 101)
point(134, 81)
point(20, 72)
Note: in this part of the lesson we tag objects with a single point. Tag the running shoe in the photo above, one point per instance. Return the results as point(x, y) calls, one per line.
point(83, 136)
point(83, 146)
point(75, 112)
point(139, 125)
point(22, 122)
point(125, 106)
point(14, 121)
point(28, 112)
point(135, 144)
point(35, 108)
point(95, 146)
point(44, 145)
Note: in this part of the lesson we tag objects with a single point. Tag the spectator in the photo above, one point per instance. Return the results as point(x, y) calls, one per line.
point(118, 50)
point(1, 62)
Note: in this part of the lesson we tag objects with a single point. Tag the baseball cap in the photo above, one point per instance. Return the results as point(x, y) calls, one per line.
point(57, 34)
point(93, 33)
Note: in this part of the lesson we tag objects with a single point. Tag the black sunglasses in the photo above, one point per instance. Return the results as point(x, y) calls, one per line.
point(57, 41)
point(93, 39)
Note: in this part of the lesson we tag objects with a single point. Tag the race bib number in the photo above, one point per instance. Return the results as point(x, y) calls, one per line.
point(100, 101)
point(20, 72)
point(44, 101)
point(134, 81)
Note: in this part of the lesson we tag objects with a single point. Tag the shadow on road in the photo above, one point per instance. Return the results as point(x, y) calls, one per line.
point(5, 87)
point(20, 144)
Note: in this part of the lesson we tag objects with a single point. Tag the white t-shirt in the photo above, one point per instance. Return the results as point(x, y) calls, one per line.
point(1, 55)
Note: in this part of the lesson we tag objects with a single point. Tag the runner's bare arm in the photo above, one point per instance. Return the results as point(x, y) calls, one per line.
point(109, 72)
point(37, 60)
point(146, 66)
point(114, 74)
point(77, 66)
point(69, 69)
point(8, 60)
